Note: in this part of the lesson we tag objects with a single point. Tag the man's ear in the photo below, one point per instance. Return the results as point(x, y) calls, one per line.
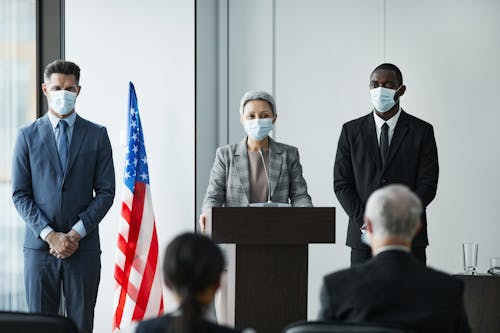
point(369, 225)
point(44, 89)
point(78, 89)
point(419, 227)
point(274, 118)
point(401, 91)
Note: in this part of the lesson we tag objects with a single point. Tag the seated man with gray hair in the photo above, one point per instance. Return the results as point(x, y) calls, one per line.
point(393, 287)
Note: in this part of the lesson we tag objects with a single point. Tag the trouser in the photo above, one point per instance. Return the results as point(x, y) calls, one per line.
point(79, 276)
point(359, 256)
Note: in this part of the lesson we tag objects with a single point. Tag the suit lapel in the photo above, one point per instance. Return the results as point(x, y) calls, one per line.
point(370, 139)
point(79, 132)
point(399, 134)
point(46, 134)
point(241, 166)
point(275, 161)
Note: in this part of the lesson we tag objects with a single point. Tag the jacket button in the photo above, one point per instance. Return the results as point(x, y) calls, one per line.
point(383, 181)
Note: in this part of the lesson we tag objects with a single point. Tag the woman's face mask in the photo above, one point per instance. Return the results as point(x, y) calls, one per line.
point(258, 128)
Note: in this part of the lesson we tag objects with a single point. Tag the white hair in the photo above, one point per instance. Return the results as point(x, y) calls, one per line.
point(394, 211)
point(258, 95)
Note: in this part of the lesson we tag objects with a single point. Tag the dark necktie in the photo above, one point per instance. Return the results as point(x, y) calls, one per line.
point(384, 142)
point(62, 143)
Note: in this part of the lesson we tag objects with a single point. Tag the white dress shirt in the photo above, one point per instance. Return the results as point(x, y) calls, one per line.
point(392, 248)
point(391, 123)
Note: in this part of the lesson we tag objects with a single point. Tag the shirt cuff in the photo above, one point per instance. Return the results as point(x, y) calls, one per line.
point(80, 228)
point(45, 231)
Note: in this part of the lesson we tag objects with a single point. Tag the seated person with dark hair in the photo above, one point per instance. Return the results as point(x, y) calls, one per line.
point(394, 287)
point(192, 268)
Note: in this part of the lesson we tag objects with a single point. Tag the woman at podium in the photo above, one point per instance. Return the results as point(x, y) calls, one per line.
point(257, 169)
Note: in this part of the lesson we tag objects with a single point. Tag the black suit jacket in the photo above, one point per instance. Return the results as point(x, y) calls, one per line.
point(161, 324)
point(412, 160)
point(393, 287)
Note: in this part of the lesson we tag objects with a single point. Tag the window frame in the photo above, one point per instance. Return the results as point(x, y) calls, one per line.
point(49, 42)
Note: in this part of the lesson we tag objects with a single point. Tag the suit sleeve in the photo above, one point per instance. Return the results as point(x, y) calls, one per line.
point(104, 186)
point(298, 186)
point(428, 169)
point(216, 190)
point(325, 311)
point(343, 179)
point(22, 194)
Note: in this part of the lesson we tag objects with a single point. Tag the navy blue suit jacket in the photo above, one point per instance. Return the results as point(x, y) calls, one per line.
point(44, 196)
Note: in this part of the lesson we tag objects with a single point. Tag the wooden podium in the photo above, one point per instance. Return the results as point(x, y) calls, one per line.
point(268, 265)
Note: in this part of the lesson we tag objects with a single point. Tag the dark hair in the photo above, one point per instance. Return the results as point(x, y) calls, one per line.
point(390, 67)
point(62, 67)
point(192, 264)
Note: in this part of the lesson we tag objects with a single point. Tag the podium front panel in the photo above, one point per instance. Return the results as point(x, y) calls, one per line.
point(271, 286)
point(272, 225)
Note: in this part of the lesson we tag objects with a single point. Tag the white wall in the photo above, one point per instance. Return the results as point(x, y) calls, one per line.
point(250, 47)
point(321, 55)
point(324, 54)
point(452, 68)
point(152, 44)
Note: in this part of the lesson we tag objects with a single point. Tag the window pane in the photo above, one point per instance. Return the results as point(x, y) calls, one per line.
point(17, 107)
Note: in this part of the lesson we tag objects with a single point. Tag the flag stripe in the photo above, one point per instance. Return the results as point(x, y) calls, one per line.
point(147, 279)
point(126, 213)
point(122, 244)
point(161, 307)
point(118, 275)
point(135, 225)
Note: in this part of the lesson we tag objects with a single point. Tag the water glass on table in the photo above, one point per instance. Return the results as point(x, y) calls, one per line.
point(494, 266)
point(470, 257)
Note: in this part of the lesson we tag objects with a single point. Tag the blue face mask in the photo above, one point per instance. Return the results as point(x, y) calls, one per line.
point(258, 128)
point(383, 98)
point(365, 239)
point(62, 101)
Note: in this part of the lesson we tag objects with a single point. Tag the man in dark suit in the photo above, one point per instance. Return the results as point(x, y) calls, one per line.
point(394, 287)
point(384, 147)
point(63, 184)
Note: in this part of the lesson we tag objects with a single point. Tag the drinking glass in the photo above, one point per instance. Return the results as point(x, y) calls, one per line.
point(494, 266)
point(470, 257)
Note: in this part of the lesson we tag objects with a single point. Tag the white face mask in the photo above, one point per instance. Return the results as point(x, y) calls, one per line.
point(258, 128)
point(62, 101)
point(364, 239)
point(383, 98)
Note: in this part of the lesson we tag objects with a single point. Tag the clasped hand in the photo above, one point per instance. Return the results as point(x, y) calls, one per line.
point(62, 245)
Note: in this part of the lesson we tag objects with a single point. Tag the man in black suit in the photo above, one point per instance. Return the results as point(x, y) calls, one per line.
point(384, 147)
point(393, 287)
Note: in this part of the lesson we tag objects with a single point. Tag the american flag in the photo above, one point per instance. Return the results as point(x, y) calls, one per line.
point(138, 292)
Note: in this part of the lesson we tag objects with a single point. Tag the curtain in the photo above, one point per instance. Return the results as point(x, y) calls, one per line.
point(17, 107)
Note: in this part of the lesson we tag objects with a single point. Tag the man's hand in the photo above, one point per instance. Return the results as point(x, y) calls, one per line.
point(74, 235)
point(61, 245)
point(202, 221)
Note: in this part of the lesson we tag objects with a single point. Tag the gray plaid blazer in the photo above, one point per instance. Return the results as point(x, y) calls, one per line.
point(229, 183)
